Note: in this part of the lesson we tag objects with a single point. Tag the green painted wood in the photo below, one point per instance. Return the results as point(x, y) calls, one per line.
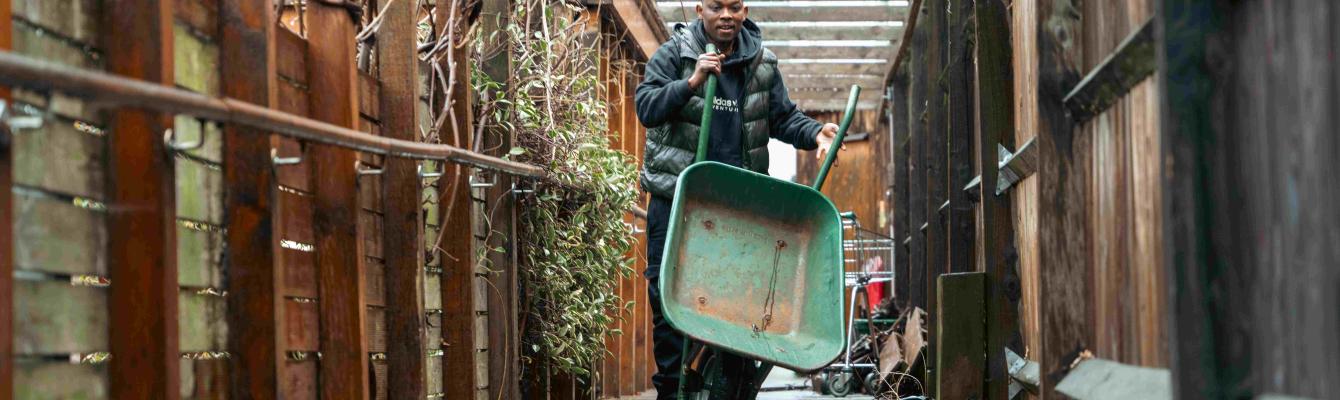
point(61, 158)
point(432, 296)
point(202, 323)
point(45, 380)
point(960, 357)
point(55, 236)
point(195, 62)
point(199, 258)
point(53, 317)
point(199, 191)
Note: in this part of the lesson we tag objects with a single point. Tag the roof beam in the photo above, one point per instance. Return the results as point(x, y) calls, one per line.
point(646, 29)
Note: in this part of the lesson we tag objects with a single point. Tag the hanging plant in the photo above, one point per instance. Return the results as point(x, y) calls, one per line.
point(574, 243)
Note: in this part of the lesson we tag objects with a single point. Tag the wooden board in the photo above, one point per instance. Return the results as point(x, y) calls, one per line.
point(195, 61)
point(201, 321)
point(199, 190)
point(256, 265)
point(300, 380)
point(961, 357)
point(43, 380)
point(75, 19)
point(200, 258)
point(61, 158)
point(302, 327)
point(52, 317)
point(54, 236)
point(204, 379)
point(773, 31)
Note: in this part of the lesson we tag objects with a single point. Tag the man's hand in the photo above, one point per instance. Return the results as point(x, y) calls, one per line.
point(708, 63)
point(825, 139)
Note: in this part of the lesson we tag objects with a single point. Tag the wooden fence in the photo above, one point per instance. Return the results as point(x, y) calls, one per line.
point(1162, 202)
point(168, 245)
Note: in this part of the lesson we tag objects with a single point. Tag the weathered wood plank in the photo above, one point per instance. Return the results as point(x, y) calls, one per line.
point(937, 174)
point(55, 236)
point(201, 16)
point(200, 257)
point(299, 381)
point(334, 99)
point(1063, 162)
point(53, 317)
point(202, 323)
point(776, 31)
point(369, 89)
point(995, 119)
point(61, 158)
point(1125, 67)
point(199, 190)
point(205, 379)
point(59, 380)
point(291, 57)
point(961, 359)
point(195, 62)
point(916, 169)
point(376, 329)
point(374, 282)
point(299, 273)
point(75, 19)
point(370, 222)
point(302, 325)
point(961, 220)
point(141, 224)
point(898, 124)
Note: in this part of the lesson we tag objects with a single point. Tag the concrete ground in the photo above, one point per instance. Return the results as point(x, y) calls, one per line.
point(777, 379)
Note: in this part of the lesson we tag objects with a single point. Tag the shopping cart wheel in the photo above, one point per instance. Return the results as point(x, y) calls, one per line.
point(872, 383)
point(839, 383)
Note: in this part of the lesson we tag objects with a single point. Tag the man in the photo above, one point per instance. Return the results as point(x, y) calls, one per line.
point(751, 106)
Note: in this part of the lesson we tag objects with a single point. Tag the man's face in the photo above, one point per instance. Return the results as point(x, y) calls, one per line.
point(722, 18)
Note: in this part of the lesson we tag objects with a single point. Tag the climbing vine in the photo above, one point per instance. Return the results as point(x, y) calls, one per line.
point(573, 238)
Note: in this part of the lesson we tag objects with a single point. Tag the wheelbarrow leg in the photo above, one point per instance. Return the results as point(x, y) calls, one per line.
point(760, 374)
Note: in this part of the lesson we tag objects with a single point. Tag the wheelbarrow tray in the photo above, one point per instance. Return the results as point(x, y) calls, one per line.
point(723, 238)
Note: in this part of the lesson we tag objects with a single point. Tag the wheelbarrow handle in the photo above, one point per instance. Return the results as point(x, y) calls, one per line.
point(841, 134)
point(710, 93)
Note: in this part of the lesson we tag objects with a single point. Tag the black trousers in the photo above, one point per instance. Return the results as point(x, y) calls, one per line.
point(667, 344)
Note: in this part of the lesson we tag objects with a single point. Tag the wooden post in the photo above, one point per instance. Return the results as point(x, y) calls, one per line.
point(339, 251)
point(899, 124)
point(937, 174)
point(7, 223)
point(504, 362)
point(916, 165)
point(457, 249)
point(960, 363)
point(995, 123)
point(141, 223)
point(247, 68)
point(960, 219)
point(402, 227)
point(1062, 182)
point(1188, 27)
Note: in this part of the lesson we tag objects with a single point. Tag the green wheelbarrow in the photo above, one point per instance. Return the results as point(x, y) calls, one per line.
point(753, 266)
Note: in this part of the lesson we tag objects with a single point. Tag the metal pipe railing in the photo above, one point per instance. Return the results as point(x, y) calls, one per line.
point(107, 89)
